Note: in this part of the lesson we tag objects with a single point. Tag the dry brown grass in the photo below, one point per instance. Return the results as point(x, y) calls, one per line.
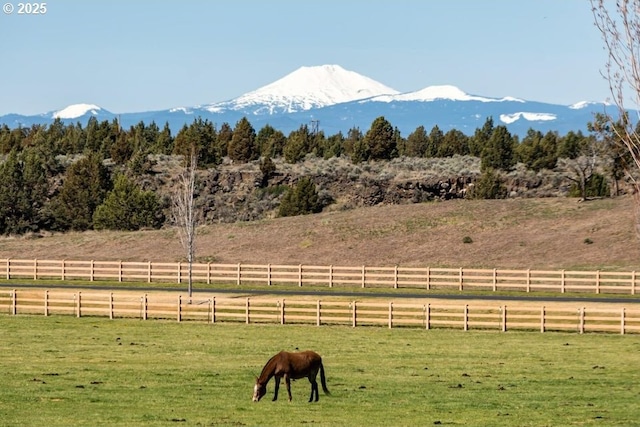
point(552, 233)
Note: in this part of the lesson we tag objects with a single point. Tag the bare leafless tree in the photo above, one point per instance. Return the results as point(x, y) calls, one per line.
point(619, 24)
point(184, 214)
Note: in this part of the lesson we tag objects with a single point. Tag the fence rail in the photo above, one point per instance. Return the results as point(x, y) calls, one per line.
point(313, 275)
point(348, 313)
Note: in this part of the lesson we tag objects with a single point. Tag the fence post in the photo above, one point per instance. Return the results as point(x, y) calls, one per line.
point(111, 306)
point(282, 319)
point(495, 279)
point(208, 273)
point(460, 278)
point(622, 322)
point(145, 307)
point(427, 315)
point(63, 270)
point(299, 274)
point(179, 272)
point(14, 303)
point(319, 313)
point(238, 275)
point(35, 269)
point(562, 283)
point(353, 314)
point(581, 321)
point(8, 268)
point(78, 304)
point(120, 271)
point(428, 278)
point(528, 280)
point(179, 308)
point(149, 272)
point(466, 317)
point(598, 282)
point(542, 314)
point(504, 318)
point(92, 273)
point(395, 277)
point(363, 276)
point(268, 274)
point(247, 321)
point(390, 315)
point(46, 302)
point(331, 276)
point(633, 282)
point(213, 310)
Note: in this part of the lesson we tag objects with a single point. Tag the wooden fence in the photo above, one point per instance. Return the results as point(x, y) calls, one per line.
point(349, 313)
point(312, 275)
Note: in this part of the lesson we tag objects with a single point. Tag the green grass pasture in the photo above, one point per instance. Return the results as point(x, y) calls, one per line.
point(65, 371)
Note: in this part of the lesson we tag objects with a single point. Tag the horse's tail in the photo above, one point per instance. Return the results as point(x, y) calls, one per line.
point(323, 380)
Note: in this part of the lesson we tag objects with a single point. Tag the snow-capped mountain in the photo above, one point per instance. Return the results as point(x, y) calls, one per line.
point(77, 110)
point(339, 99)
point(304, 89)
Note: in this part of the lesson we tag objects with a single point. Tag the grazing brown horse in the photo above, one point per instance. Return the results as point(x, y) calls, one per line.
point(291, 366)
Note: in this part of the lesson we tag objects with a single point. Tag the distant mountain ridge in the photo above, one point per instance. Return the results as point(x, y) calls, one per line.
point(339, 99)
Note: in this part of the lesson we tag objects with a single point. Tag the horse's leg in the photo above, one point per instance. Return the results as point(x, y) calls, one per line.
point(314, 389)
point(287, 380)
point(275, 394)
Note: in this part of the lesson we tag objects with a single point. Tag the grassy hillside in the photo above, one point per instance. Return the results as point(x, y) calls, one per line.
point(542, 233)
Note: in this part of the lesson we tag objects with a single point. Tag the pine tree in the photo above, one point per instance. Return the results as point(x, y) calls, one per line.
point(128, 208)
point(301, 200)
point(499, 151)
point(381, 140)
point(242, 146)
point(85, 185)
point(417, 143)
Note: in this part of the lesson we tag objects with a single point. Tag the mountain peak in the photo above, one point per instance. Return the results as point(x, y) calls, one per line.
point(307, 88)
point(76, 110)
point(440, 92)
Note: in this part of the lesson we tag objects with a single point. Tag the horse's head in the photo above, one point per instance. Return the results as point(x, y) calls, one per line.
point(259, 390)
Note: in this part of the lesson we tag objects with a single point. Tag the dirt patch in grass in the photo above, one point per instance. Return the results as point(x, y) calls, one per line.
point(550, 233)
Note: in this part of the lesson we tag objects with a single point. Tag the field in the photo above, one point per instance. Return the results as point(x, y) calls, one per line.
point(62, 371)
point(552, 233)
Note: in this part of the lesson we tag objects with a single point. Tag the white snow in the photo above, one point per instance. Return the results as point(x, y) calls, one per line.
point(184, 110)
point(581, 104)
point(76, 110)
point(307, 88)
point(432, 93)
point(532, 117)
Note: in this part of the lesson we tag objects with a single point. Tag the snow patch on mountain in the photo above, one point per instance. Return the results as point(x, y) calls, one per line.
point(582, 104)
point(76, 110)
point(532, 117)
point(441, 92)
point(304, 89)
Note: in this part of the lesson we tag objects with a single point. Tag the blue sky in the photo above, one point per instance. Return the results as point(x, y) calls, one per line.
point(129, 56)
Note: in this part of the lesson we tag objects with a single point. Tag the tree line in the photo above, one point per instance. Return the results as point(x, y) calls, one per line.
point(62, 177)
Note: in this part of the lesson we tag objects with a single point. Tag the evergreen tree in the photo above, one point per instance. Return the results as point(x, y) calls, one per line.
point(297, 145)
point(490, 185)
point(334, 146)
point(301, 200)
point(436, 139)
point(85, 185)
point(417, 143)
point(242, 146)
point(225, 134)
point(453, 142)
point(498, 153)
point(128, 208)
point(481, 138)
point(380, 140)
point(12, 198)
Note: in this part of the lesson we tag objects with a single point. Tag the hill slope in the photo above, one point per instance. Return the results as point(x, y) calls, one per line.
point(549, 233)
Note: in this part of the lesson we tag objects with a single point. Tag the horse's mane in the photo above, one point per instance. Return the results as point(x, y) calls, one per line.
point(268, 366)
